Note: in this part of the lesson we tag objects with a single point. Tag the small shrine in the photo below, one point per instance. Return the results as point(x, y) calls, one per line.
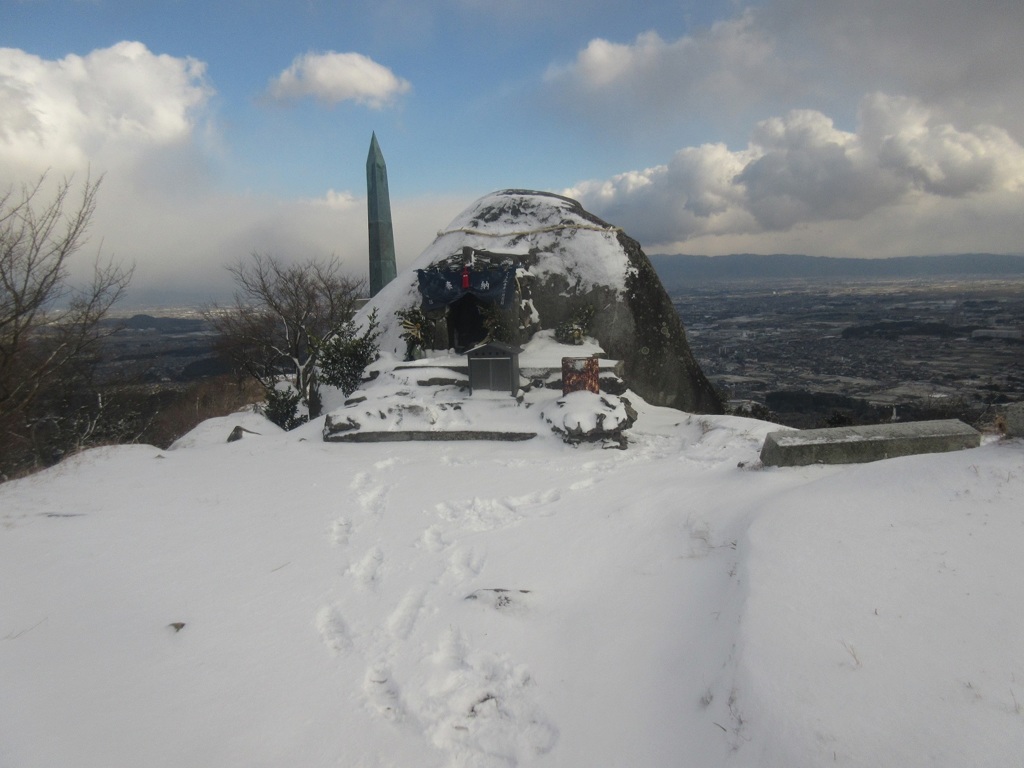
point(471, 294)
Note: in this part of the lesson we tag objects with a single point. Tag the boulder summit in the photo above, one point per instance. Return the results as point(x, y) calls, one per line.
point(516, 262)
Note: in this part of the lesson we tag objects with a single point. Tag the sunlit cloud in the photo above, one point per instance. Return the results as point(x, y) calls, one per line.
point(333, 78)
point(70, 112)
point(800, 170)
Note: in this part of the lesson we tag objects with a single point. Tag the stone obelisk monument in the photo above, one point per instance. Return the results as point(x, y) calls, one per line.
point(378, 215)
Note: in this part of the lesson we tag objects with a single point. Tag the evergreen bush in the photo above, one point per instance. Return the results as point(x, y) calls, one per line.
point(344, 358)
point(282, 408)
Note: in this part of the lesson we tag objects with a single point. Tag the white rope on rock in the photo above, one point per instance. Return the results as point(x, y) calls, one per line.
point(551, 228)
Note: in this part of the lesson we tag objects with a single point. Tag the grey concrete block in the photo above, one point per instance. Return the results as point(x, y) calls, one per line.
point(854, 445)
point(1015, 420)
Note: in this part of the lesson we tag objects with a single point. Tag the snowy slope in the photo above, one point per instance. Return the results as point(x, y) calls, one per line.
point(664, 606)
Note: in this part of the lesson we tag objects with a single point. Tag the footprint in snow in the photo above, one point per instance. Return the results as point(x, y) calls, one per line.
point(479, 707)
point(402, 620)
point(464, 563)
point(333, 630)
point(373, 499)
point(382, 694)
point(341, 529)
point(433, 538)
point(367, 570)
point(360, 481)
point(535, 499)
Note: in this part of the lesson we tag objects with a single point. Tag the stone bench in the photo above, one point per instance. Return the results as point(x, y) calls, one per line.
point(853, 445)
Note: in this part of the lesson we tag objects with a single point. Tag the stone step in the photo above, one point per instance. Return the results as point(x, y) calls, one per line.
point(853, 445)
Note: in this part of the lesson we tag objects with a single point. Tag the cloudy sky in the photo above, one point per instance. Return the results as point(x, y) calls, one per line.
point(876, 128)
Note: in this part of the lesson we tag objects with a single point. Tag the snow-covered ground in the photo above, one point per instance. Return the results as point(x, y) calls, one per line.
point(511, 604)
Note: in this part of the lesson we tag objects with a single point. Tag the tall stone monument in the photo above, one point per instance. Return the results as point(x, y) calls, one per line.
point(378, 215)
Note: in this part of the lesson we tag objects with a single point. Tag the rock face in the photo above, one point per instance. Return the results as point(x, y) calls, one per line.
point(571, 269)
point(663, 368)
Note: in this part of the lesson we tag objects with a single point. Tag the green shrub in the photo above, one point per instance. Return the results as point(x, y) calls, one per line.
point(344, 358)
point(282, 408)
point(415, 330)
point(576, 327)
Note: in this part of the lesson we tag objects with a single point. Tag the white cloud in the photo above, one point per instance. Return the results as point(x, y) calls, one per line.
point(338, 200)
point(963, 57)
point(803, 169)
point(935, 156)
point(725, 68)
point(336, 77)
point(181, 247)
point(695, 192)
point(142, 121)
point(799, 172)
point(66, 113)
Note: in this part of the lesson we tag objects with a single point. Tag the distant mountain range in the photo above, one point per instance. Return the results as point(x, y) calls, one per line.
point(681, 270)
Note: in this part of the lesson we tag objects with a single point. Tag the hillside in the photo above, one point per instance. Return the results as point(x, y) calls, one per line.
point(283, 601)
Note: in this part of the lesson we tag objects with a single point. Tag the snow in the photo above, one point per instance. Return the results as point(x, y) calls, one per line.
point(565, 243)
point(520, 222)
point(542, 352)
point(583, 412)
point(511, 604)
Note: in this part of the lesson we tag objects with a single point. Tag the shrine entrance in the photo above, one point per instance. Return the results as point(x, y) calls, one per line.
point(466, 326)
point(466, 290)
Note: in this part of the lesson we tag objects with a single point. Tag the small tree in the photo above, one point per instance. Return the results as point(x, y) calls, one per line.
point(282, 317)
point(345, 357)
point(50, 330)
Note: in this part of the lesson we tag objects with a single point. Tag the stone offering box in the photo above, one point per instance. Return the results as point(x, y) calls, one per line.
point(494, 366)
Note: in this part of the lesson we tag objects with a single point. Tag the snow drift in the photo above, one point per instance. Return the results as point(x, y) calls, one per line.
point(284, 601)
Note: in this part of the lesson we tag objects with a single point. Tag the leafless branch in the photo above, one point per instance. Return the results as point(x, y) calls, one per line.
point(281, 315)
point(47, 324)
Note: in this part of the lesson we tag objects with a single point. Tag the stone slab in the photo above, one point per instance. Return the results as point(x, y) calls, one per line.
point(1015, 420)
point(427, 435)
point(854, 445)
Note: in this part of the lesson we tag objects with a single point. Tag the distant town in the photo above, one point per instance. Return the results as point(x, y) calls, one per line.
point(818, 352)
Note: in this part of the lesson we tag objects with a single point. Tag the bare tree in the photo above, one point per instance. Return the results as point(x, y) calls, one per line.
point(50, 330)
point(282, 317)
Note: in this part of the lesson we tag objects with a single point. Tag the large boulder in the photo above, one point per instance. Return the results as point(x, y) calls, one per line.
point(570, 267)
